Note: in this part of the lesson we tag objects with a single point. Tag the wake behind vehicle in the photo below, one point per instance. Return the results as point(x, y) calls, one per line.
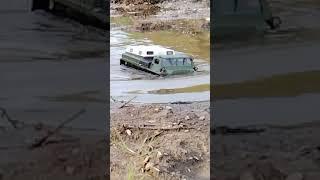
point(157, 60)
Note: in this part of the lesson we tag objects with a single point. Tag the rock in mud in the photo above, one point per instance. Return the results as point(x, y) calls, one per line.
point(129, 132)
point(159, 155)
point(168, 107)
point(187, 118)
point(202, 118)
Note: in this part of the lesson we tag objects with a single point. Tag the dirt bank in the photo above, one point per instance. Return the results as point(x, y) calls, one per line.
point(189, 17)
point(279, 153)
point(67, 154)
point(160, 141)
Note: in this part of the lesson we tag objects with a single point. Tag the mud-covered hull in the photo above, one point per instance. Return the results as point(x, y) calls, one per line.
point(141, 68)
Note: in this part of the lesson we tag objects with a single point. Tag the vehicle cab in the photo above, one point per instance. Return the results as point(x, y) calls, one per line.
point(173, 64)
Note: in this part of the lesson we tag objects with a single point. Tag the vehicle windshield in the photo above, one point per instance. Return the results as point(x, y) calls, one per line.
point(177, 62)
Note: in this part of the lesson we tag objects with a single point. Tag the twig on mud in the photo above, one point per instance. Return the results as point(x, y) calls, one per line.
point(181, 102)
point(4, 114)
point(152, 137)
point(127, 102)
point(40, 142)
point(122, 143)
point(130, 150)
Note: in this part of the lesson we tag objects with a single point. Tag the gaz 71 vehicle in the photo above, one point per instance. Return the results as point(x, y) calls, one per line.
point(157, 60)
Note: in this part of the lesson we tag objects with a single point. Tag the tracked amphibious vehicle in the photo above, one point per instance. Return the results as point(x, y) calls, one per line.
point(157, 60)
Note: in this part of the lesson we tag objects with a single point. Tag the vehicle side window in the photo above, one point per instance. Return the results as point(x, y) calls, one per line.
point(169, 52)
point(140, 52)
point(187, 61)
point(180, 62)
point(156, 61)
point(149, 52)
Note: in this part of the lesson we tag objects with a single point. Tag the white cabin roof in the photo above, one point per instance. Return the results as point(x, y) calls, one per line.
point(149, 50)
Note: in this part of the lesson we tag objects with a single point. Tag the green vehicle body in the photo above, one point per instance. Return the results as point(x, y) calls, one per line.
point(230, 16)
point(160, 65)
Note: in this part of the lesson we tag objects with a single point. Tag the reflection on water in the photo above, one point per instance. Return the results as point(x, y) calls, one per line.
point(198, 45)
point(125, 82)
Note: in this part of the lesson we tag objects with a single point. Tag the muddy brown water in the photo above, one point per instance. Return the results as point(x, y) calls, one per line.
point(126, 83)
point(271, 78)
point(51, 67)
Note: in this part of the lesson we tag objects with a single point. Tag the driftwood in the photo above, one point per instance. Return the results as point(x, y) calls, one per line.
point(241, 130)
point(42, 140)
point(123, 105)
point(4, 114)
point(154, 127)
point(181, 102)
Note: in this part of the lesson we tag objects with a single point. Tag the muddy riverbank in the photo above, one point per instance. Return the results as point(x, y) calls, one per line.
point(68, 154)
point(285, 153)
point(163, 15)
point(160, 141)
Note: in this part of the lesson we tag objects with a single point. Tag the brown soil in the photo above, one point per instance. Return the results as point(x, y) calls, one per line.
point(160, 141)
point(278, 153)
point(68, 154)
point(165, 15)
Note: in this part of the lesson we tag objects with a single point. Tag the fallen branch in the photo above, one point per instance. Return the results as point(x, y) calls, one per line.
point(226, 130)
point(4, 114)
point(158, 128)
point(41, 141)
point(127, 102)
point(150, 138)
point(181, 102)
